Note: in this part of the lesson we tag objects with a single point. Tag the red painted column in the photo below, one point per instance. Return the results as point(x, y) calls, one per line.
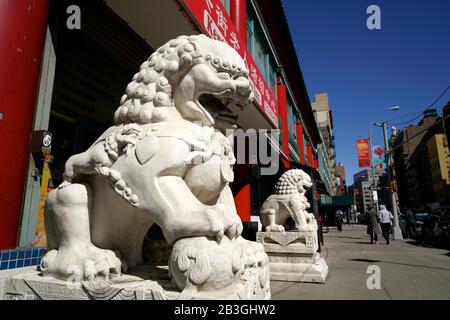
point(283, 112)
point(242, 172)
point(300, 143)
point(238, 14)
point(22, 33)
point(310, 156)
point(241, 190)
point(316, 163)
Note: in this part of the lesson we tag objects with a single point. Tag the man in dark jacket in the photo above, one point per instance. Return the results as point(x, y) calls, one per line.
point(373, 225)
point(410, 220)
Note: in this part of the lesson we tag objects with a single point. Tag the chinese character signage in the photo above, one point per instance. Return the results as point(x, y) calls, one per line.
point(363, 153)
point(213, 19)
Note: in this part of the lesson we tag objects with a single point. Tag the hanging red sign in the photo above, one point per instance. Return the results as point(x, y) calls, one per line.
point(379, 152)
point(363, 153)
point(212, 18)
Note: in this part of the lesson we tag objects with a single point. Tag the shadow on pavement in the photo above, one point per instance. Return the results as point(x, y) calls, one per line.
point(426, 244)
point(365, 260)
point(398, 263)
point(418, 243)
point(343, 237)
point(361, 242)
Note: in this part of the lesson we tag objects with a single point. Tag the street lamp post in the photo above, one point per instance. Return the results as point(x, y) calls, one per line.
point(374, 201)
point(396, 229)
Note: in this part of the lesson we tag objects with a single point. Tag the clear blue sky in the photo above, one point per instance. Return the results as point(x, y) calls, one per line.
point(406, 63)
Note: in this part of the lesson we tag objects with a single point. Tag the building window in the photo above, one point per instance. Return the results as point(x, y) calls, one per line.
point(258, 47)
point(291, 118)
point(305, 148)
point(259, 52)
point(226, 4)
point(271, 74)
point(250, 35)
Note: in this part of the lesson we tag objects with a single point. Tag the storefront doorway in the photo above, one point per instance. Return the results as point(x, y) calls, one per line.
point(93, 66)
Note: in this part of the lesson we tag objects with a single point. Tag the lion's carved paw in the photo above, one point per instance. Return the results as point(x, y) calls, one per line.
point(81, 263)
point(253, 253)
point(225, 223)
point(275, 228)
point(234, 230)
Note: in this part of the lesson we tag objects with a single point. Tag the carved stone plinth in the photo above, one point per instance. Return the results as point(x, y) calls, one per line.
point(253, 285)
point(293, 256)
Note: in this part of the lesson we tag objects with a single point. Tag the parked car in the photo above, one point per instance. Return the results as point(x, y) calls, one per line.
point(414, 232)
point(436, 227)
point(362, 218)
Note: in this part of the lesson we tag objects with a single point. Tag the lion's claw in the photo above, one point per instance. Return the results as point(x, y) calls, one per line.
point(254, 254)
point(275, 228)
point(84, 263)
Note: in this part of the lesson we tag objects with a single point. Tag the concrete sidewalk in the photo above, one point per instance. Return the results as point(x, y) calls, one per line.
point(408, 270)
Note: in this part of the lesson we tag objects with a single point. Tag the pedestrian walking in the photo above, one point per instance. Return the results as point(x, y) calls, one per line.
point(373, 225)
point(385, 217)
point(339, 220)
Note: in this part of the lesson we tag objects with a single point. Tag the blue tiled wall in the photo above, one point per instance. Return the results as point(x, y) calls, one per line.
point(21, 257)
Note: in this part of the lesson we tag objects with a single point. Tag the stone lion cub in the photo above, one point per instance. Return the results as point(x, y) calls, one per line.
point(287, 201)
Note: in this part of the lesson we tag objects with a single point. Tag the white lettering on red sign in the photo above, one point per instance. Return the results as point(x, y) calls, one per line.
point(268, 94)
point(234, 41)
point(210, 5)
point(270, 112)
point(212, 28)
point(221, 22)
point(253, 73)
point(261, 84)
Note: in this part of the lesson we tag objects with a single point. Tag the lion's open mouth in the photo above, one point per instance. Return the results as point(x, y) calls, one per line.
point(217, 106)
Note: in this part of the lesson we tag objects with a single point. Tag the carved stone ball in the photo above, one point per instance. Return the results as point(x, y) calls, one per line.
point(204, 263)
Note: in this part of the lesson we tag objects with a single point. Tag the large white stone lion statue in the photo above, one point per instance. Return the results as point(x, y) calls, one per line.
point(288, 200)
point(165, 163)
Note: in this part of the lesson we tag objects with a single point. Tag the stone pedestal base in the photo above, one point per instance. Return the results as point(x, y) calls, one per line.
point(298, 269)
point(33, 286)
point(293, 256)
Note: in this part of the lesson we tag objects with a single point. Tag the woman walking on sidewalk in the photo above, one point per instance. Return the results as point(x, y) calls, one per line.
point(385, 221)
point(373, 225)
point(339, 220)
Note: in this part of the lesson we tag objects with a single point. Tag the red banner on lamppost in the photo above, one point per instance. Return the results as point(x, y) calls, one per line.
point(363, 153)
point(212, 18)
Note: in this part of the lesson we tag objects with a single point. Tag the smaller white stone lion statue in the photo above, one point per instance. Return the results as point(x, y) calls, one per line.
point(287, 201)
